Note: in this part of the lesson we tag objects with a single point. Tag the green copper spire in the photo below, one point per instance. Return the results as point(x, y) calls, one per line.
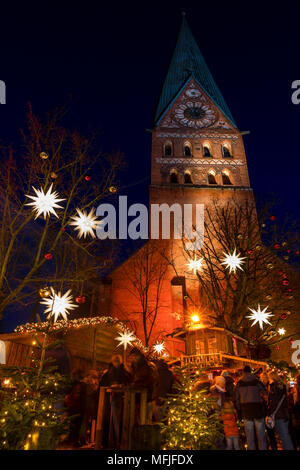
point(187, 61)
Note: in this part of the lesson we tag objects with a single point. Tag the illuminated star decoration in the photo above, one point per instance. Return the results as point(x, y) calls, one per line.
point(44, 203)
point(233, 261)
point(59, 304)
point(195, 265)
point(125, 338)
point(159, 348)
point(281, 331)
point(85, 223)
point(260, 316)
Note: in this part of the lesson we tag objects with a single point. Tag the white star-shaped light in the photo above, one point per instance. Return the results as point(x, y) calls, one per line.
point(281, 331)
point(159, 348)
point(195, 264)
point(125, 338)
point(233, 261)
point(44, 203)
point(85, 223)
point(59, 304)
point(260, 316)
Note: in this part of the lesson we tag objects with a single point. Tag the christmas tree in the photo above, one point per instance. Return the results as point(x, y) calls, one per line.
point(192, 422)
point(31, 414)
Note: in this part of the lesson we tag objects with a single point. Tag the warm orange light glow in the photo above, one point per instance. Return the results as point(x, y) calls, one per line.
point(195, 318)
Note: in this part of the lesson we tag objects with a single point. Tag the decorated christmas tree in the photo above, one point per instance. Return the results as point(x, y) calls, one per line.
point(192, 422)
point(31, 413)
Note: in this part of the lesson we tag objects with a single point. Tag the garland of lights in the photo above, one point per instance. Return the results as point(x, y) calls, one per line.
point(43, 327)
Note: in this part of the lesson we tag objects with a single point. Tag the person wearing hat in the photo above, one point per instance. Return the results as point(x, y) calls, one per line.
point(218, 390)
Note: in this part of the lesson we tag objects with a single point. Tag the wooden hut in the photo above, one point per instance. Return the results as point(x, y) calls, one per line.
point(89, 344)
point(213, 347)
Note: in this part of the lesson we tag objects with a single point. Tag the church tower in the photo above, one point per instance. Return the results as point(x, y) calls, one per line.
point(197, 150)
point(198, 157)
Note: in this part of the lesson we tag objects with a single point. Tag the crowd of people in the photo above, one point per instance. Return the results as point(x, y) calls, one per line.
point(140, 373)
point(259, 406)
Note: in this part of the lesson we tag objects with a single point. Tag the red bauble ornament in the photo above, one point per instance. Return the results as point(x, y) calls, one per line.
point(277, 348)
point(48, 256)
point(87, 178)
point(272, 217)
point(285, 282)
point(80, 299)
point(285, 276)
point(283, 316)
point(250, 252)
point(276, 246)
point(290, 290)
point(291, 341)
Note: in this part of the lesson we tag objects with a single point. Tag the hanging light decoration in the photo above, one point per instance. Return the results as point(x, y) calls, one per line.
point(112, 189)
point(58, 304)
point(44, 155)
point(233, 261)
point(281, 331)
point(260, 316)
point(195, 265)
point(85, 223)
point(159, 348)
point(44, 203)
point(126, 338)
point(44, 292)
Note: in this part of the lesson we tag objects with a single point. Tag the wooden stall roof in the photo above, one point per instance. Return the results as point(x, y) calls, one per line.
point(183, 332)
point(93, 343)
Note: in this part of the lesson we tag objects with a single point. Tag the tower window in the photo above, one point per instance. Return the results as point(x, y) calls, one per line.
point(174, 177)
point(226, 179)
point(168, 151)
point(187, 150)
point(226, 152)
point(206, 151)
point(187, 178)
point(212, 178)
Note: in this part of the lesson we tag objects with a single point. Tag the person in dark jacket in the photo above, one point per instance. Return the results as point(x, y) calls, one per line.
point(115, 376)
point(142, 372)
point(229, 385)
point(248, 399)
point(144, 376)
point(276, 391)
point(270, 431)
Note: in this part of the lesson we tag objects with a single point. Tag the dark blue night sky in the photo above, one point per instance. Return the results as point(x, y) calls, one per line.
point(109, 63)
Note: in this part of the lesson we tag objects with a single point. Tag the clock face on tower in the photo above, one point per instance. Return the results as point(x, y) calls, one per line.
point(195, 114)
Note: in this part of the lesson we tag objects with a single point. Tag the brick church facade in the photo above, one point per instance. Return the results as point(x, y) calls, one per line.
point(197, 157)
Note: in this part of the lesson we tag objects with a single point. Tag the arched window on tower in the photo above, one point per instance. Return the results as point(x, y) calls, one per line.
point(174, 177)
point(168, 149)
point(226, 151)
point(211, 177)
point(188, 177)
point(206, 151)
point(187, 149)
point(225, 178)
